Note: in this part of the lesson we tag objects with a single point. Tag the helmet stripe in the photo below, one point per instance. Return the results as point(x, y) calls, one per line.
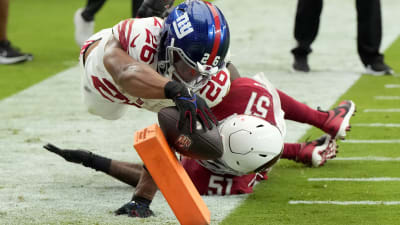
point(217, 39)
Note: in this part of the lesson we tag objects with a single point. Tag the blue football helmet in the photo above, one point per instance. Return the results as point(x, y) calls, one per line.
point(194, 43)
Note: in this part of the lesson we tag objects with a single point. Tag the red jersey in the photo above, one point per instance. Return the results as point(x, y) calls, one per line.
point(246, 96)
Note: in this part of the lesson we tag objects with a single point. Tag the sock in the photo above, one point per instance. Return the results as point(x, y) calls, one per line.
point(299, 112)
point(92, 7)
point(290, 151)
point(141, 200)
point(98, 163)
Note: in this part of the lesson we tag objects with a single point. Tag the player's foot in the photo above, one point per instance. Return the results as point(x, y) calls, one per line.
point(317, 152)
point(301, 64)
point(135, 209)
point(11, 55)
point(83, 29)
point(75, 156)
point(379, 68)
point(338, 122)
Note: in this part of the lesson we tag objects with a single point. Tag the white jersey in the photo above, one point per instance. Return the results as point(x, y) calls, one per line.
point(140, 39)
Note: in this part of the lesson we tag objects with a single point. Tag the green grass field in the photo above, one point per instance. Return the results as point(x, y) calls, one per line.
point(45, 29)
point(288, 180)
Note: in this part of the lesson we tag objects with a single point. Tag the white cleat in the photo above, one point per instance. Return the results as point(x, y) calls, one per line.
point(83, 29)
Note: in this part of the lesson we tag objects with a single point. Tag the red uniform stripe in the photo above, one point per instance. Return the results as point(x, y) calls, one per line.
point(217, 38)
point(123, 37)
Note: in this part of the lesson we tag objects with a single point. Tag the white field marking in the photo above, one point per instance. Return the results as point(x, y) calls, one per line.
point(382, 110)
point(371, 179)
point(375, 125)
point(387, 97)
point(393, 141)
point(392, 85)
point(345, 202)
point(367, 158)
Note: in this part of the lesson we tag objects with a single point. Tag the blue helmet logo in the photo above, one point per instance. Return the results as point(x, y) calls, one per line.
point(182, 26)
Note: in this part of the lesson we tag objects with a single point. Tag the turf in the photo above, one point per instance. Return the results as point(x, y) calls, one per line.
point(46, 30)
point(51, 41)
point(288, 180)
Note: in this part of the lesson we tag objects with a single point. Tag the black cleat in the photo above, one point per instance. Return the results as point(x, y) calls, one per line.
point(301, 64)
point(11, 55)
point(379, 68)
point(134, 209)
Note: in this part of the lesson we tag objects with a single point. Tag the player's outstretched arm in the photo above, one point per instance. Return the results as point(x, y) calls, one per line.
point(136, 78)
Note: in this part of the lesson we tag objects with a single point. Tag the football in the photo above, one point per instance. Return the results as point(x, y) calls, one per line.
point(201, 144)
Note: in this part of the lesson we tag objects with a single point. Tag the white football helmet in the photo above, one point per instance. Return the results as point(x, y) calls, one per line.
point(251, 144)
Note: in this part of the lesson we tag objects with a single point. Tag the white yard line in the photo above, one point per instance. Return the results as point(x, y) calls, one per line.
point(371, 179)
point(375, 125)
point(296, 202)
point(392, 85)
point(393, 141)
point(382, 110)
point(387, 97)
point(367, 158)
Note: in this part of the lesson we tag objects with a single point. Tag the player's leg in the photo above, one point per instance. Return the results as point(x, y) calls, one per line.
point(84, 20)
point(369, 36)
point(314, 153)
point(125, 172)
point(305, 30)
point(335, 122)
point(135, 7)
point(154, 8)
point(8, 53)
point(91, 8)
point(145, 191)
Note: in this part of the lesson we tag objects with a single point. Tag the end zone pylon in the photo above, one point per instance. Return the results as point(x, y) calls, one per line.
point(170, 177)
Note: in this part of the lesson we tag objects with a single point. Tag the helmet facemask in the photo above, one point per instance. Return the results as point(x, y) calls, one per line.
point(192, 74)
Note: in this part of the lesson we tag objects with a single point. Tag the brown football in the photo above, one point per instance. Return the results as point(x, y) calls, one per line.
point(201, 144)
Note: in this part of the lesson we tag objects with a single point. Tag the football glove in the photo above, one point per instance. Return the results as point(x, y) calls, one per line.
point(135, 209)
point(190, 106)
point(75, 156)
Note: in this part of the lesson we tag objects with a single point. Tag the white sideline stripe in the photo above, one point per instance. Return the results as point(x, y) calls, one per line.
point(374, 179)
point(394, 141)
point(345, 202)
point(368, 158)
point(376, 125)
point(387, 97)
point(392, 85)
point(381, 110)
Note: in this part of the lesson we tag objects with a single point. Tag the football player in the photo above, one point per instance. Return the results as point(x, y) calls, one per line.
point(147, 62)
point(251, 106)
point(121, 64)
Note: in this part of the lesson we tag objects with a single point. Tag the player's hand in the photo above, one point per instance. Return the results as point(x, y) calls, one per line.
point(190, 106)
point(135, 209)
point(75, 156)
